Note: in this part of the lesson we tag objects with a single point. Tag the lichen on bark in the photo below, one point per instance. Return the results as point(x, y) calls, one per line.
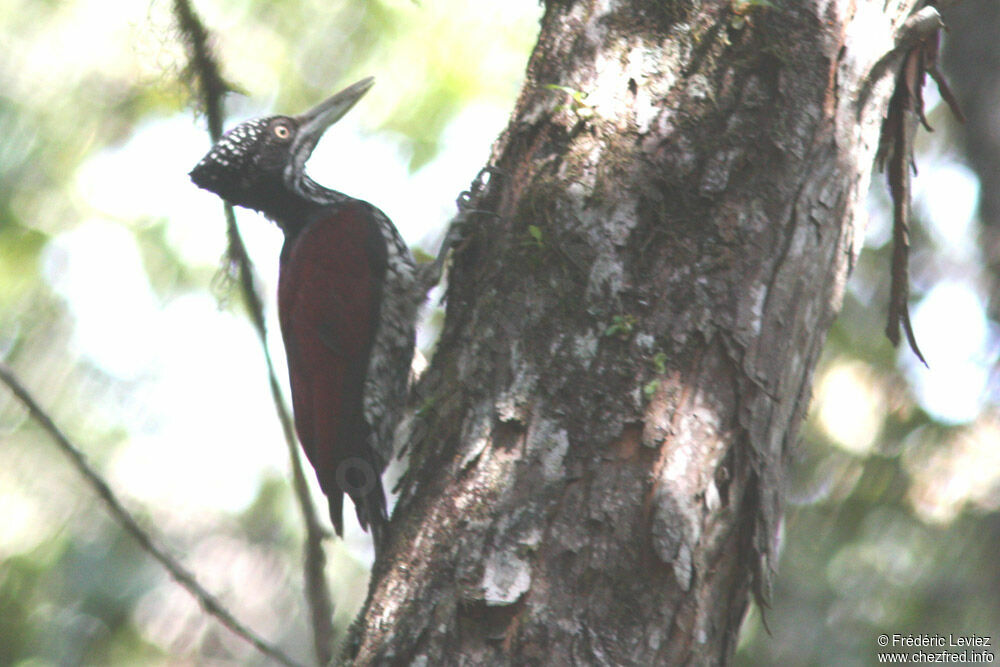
point(630, 338)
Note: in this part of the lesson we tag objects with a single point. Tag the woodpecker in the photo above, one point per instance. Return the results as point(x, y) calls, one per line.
point(348, 294)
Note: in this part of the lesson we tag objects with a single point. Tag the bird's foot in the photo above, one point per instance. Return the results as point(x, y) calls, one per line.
point(479, 187)
point(459, 227)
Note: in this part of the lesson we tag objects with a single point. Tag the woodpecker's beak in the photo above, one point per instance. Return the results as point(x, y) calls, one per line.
point(313, 123)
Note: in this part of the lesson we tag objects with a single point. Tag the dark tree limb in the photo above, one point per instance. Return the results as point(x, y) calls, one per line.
point(178, 572)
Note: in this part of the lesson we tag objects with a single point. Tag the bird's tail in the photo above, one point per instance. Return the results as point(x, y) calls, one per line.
point(373, 515)
point(362, 481)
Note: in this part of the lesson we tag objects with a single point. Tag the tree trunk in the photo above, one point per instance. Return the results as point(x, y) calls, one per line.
point(597, 459)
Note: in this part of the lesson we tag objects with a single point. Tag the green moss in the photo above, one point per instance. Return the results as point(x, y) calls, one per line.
point(621, 326)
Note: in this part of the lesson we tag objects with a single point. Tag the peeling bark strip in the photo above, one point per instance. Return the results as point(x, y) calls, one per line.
point(596, 466)
point(921, 38)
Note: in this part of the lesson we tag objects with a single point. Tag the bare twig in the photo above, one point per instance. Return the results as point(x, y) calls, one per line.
point(184, 578)
point(211, 87)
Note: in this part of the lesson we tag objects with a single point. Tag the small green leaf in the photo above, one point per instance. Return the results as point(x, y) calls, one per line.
point(621, 326)
point(575, 94)
point(536, 239)
point(660, 362)
point(650, 388)
point(421, 256)
point(579, 100)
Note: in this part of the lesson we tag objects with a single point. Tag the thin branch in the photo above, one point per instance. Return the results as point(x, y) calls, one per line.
point(184, 578)
point(202, 66)
point(211, 88)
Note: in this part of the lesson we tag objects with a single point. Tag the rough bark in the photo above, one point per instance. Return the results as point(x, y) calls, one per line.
point(596, 465)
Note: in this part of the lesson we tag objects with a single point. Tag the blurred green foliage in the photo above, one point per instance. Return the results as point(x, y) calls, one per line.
point(97, 132)
point(873, 541)
point(899, 537)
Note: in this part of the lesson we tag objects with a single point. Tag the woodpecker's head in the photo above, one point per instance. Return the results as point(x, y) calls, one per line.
point(260, 164)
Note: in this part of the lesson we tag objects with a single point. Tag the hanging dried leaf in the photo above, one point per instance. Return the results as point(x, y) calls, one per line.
point(906, 108)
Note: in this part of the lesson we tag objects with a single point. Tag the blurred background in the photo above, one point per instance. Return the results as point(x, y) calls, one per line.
point(114, 311)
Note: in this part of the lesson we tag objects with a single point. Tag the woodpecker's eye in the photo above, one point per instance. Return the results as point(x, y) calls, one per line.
point(282, 131)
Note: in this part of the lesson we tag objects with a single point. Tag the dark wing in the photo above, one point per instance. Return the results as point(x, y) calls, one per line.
point(328, 302)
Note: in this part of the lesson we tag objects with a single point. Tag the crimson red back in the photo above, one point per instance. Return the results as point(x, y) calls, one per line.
point(328, 303)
